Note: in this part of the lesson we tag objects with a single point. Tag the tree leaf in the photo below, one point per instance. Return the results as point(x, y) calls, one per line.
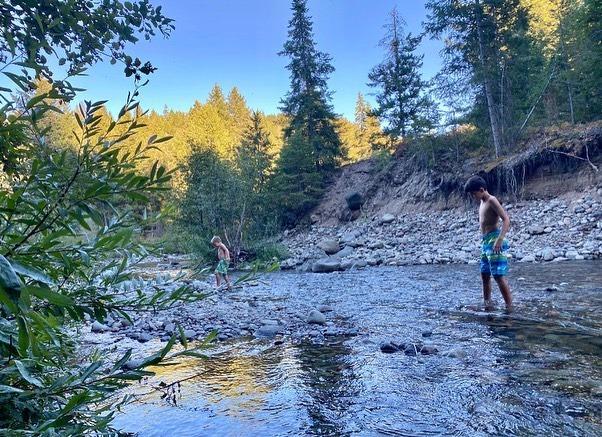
point(50, 296)
point(26, 375)
point(32, 273)
point(8, 278)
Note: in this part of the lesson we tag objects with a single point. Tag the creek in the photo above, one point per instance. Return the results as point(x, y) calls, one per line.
point(535, 371)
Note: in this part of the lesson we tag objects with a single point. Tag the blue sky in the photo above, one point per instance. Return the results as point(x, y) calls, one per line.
point(235, 43)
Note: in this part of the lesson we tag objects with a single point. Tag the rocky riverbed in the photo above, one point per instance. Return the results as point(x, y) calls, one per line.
point(453, 369)
point(253, 309)
point(565, 228)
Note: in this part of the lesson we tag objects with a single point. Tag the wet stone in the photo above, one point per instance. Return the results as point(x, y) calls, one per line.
point(428, 350)
point(99, 327)
point(144, 337)
point(267, 331)
point(388, 348)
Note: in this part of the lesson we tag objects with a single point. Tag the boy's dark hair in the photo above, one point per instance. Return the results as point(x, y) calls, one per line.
point(475, 183)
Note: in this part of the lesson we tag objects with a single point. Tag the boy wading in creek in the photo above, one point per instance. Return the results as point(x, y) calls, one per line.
point(223, 256)
point(494, 261)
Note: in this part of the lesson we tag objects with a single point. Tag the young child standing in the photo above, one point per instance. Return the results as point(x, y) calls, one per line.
point(223, 255)
point(494, 261)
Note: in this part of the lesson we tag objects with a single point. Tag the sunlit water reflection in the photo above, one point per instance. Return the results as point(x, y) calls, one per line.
point(535, 372)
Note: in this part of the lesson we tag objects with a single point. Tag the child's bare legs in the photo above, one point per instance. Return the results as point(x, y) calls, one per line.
point(218, 279)
point(486, 278)
point(504, 289)
point(227, 278)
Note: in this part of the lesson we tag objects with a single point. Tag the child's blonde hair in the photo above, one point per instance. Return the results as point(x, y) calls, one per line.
point(216, 239)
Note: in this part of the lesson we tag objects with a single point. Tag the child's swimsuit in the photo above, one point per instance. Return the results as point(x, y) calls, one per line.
point(222, 267)
point(495, 264)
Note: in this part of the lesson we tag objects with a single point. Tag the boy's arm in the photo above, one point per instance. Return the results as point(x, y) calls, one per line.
point(497, 207)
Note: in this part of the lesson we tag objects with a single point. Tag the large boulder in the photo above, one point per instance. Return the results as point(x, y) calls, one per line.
point(354, 201)
point(326, 265)
point(329, 246)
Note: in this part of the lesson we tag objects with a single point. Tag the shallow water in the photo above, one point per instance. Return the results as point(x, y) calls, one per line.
point(537, 371)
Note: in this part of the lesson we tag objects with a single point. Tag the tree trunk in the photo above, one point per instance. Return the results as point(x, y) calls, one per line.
point(491, 105)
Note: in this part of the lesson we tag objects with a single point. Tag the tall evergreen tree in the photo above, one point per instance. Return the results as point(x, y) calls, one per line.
point(397, 79)
point(311, 137)
point(308, 101)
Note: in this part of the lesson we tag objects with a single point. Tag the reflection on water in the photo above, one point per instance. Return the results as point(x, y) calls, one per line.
point(536, 371)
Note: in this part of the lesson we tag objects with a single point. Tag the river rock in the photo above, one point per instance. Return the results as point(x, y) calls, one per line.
point(143, 337)
point(99, 327)
point(268, 331)
point(547, 254)
point(455, 353)
point(189, 333)
point(428, 350)
point(346, 251)
point(325, 308)
point(387, 218)
point(388, 348)
point(326, 265)
point(360, 264)
point(329, 246)
point(316, 317)
point(536, 230)
point(354, 201)
point(133, 364)
point(346, 264)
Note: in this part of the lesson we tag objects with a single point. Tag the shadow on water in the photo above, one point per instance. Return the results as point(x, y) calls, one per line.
point(533, 372)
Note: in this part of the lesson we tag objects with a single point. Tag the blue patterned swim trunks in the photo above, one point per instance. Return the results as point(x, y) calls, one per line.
point(495, 264)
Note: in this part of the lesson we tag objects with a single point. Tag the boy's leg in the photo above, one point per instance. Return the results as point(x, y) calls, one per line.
point(505, 290)
point(217, 279)
point(486, 278)
point(227, 278)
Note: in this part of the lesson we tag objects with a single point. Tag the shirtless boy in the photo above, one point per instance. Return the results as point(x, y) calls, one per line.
point(494, 262)
point(223, 256)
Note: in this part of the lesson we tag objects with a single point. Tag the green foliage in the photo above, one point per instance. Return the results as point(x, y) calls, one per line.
point(68, 213)
point(78, 34)
point(440, 150)
point(397, 79)
point(66, 244)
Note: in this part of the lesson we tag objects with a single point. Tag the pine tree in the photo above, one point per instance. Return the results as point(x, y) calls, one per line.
point(311, 137)
point(369, 135)
point(397, 79)
point(254, 159)
point(217, 100)
point(308, 101)
point(239, 113)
